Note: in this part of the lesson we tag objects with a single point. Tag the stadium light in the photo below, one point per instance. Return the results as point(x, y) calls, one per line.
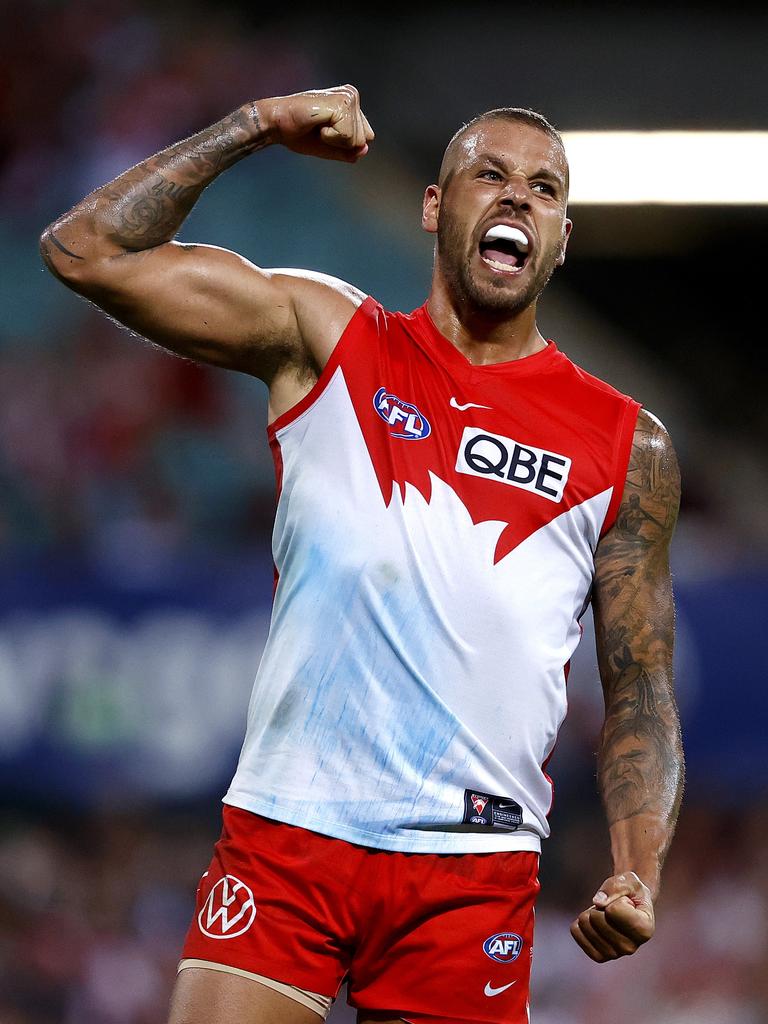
point(683, 168)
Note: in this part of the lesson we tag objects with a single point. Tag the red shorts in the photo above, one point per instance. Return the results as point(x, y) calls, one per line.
point(426, 937)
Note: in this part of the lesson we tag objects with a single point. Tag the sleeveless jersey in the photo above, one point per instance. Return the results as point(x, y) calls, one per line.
point(433, 544)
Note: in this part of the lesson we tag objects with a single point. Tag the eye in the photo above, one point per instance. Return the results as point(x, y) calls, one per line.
point(544, 187)
point(490, 175)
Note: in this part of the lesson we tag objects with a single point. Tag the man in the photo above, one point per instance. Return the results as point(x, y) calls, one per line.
point(453, 492)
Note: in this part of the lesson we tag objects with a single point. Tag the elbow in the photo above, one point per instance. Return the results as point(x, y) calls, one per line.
point(64, 263)
point(48, 255)
point(56, 256)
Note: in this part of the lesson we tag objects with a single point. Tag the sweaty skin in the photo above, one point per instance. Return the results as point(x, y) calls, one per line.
point(498, 172)
point(117, 249)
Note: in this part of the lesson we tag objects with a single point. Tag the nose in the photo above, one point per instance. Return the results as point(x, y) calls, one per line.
point(517, 194)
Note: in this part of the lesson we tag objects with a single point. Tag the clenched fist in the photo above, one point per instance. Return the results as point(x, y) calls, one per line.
point(327, 123)
point(619, 921)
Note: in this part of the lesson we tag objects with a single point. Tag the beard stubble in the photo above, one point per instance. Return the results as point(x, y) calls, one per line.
point(493, 298)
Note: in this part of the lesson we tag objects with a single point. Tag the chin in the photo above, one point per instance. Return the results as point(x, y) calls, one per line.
point(505, 297)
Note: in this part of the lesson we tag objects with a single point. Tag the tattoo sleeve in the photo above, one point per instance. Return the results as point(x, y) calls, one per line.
point(640, 759)
point(145, 206)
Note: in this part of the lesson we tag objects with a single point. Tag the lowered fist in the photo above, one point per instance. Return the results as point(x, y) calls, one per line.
point(327, 123)
point(619, 921)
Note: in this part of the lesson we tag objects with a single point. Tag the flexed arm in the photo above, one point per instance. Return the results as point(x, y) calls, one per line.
point(640, 759)
point(116, 246)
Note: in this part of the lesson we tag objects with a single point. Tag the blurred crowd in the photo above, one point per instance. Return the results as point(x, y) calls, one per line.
point(102, 440)
point(94, 910)
point(129, 79)
point(106, 444)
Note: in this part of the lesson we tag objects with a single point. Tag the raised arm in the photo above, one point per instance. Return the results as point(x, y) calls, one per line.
point(640, 759)
point(116, 247)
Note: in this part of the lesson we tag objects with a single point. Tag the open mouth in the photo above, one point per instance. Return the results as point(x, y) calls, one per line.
point(505, 249)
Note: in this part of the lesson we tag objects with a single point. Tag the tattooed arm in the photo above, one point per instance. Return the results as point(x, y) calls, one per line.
point(116, 247)
point(640, 760)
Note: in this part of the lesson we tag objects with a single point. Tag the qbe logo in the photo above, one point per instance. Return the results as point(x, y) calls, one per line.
point(229, 910)
point(500, 458)
point(403, 418)
point(504, 947)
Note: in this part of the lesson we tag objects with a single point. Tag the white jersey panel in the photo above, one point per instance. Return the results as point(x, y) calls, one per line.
point(403, 666)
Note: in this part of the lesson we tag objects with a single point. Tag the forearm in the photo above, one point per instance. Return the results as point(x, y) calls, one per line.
point(147, 204)
point(640, 772)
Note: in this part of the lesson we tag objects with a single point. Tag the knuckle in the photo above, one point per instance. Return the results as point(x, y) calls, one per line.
point(615, 912)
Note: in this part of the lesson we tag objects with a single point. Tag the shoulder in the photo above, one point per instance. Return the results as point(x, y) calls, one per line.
point(650, 502)
point(323, 305)
point(653, 463)
point(650, 432)
point(309, 284)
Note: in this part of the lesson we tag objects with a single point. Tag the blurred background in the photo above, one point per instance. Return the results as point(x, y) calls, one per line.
point(137, 492)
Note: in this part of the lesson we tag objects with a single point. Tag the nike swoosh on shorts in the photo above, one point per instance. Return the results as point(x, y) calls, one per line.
point(491, 991)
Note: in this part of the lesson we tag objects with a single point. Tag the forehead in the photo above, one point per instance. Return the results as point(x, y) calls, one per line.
point(514, 142)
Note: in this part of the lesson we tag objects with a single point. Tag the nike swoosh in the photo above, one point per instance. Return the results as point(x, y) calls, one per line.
point(491, 991)
point(470, 405)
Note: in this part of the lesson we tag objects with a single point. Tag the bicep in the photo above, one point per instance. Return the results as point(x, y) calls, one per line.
point(632, 596)
point(200, 301)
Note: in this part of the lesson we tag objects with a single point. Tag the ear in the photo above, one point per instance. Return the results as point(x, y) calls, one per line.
point(430, 209)
point(567, 228)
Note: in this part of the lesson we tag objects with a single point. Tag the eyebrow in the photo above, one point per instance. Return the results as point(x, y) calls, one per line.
point(542, 172)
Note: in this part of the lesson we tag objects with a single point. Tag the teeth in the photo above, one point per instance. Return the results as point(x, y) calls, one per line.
point(511, 234)
point(505, 267)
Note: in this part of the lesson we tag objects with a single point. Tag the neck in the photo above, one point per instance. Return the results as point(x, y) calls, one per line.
point(484, 337)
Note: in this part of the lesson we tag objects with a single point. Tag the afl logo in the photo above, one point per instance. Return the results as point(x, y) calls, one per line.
point(404, 420)
point(504, 947)
point(229, 910)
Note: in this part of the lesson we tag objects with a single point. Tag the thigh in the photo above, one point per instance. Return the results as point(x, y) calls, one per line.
point(203, 996)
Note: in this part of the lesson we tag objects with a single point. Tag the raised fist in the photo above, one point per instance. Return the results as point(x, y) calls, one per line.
point(327, 123)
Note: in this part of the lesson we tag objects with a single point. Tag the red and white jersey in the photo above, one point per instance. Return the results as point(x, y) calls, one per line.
point(434, 543)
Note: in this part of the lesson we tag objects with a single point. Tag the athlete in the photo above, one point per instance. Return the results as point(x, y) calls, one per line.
point(453, 492)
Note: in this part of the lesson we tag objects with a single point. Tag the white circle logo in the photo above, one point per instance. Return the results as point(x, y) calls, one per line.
point(229, 910)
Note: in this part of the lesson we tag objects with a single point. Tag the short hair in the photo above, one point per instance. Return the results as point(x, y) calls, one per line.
point(520, 115)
